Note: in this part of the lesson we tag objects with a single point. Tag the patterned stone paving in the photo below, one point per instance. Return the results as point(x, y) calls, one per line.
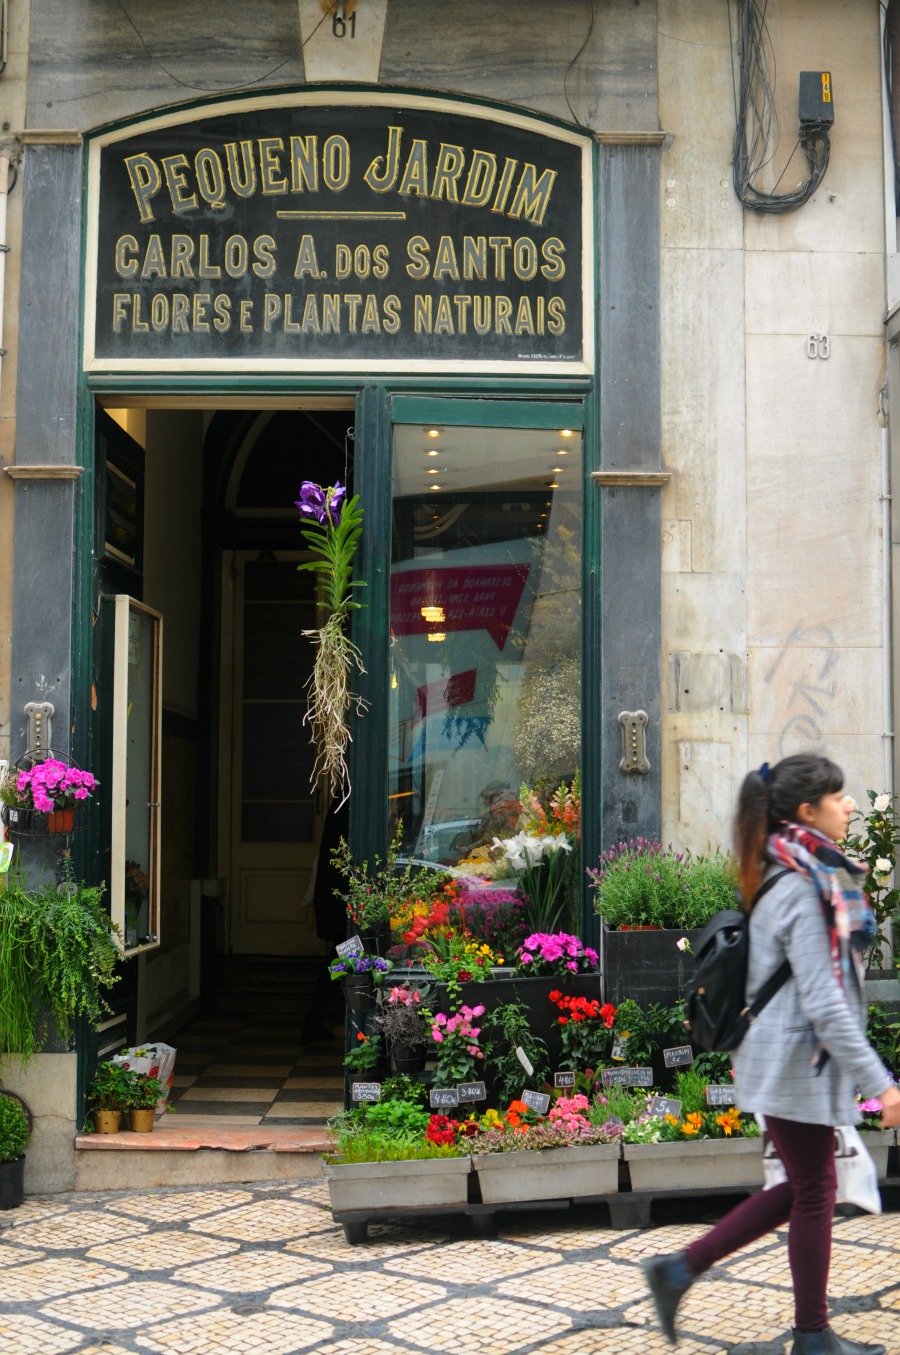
point(264, 1270)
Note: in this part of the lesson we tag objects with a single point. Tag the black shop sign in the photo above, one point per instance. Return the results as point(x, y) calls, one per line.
point(310, 236)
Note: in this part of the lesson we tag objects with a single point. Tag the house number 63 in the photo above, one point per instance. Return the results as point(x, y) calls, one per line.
point(818, 346)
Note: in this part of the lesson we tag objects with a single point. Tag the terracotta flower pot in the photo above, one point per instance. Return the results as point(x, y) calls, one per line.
point(141, 1121)
point(107, 1121)
point(61, 821)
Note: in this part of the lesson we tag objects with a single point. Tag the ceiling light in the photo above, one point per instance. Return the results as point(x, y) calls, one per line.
point(557, 470)
point(433, 432)
point(435, 471)
point(554, 484)
point(435, 486)
point(433, 613)
point(432, 451)
point(437, 635)
point(565, 432)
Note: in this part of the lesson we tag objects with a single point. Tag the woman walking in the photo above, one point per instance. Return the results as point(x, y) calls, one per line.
point(801, 1063)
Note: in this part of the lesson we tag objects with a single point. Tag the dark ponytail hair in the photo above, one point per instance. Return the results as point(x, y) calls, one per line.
point(770, 796)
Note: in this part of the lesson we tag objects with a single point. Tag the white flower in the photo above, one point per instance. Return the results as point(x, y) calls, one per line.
point(883, 866)
point(850, 804)
point(682, 943)
point(881, 802)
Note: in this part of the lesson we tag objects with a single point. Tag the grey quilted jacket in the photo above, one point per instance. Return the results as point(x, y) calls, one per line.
point(773, 1069)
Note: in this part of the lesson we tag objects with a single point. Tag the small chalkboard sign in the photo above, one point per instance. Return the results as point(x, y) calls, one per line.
point(352, 947)
point(720, 1095)
point(442, 1098)
point(627, 1077)
point(564, 1079)
point(679, 1056)
point(537, 1101)
point(665, 1105)
point(365, 1091)
point(471, 1091)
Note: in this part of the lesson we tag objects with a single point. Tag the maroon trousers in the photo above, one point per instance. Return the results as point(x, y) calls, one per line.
point(805, 1201)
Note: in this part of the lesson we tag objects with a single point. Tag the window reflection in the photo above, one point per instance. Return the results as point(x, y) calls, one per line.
point(485, 688)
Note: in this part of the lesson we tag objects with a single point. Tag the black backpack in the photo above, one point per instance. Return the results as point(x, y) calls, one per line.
point(715, 1011)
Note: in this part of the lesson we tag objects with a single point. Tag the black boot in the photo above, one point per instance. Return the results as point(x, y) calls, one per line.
point(828, 1342)
point(669, 1280)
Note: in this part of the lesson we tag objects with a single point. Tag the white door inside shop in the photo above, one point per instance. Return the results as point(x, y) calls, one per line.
point(270, 818)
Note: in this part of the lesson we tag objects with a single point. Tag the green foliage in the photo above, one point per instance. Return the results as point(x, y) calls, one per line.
point(883, 1032)
point(714, 1068)
point(505, 1029)
point(404, 1088)
point(57, 955)
point(873, 840)
point(365, 1055)
point(620, 1102)
point(361, 1136)
point(145, 1091)
point(690, 1090)
point(645, 1031)
point(399, 1117)
point(641, 883)
point(13, 1129)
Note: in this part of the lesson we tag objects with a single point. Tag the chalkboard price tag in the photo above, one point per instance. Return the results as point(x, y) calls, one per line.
point(444, 1098)
point(720, 1095)
point(665, 1105)
point(365, 1091)
point(537, 1101)
point(564, 1079)
point(627, 1077)
point(679, 1056)
point(352, 947)
point(471, 1091)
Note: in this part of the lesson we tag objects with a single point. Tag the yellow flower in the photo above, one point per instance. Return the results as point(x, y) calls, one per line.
point(692, 1123)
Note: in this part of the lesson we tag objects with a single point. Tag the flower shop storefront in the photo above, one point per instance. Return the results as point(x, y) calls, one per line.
point(397, 294)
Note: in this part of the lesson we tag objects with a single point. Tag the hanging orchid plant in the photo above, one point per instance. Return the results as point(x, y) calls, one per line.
point(332, 528)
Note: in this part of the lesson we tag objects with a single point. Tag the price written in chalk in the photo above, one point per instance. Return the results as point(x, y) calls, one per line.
point(352, 947)
point(627, 1077)
point(443, 1097)
point(722, 1095)
point(365, 1091)
point(471, 1091)
point(537, 1101)
point(679, 1056)
point(665, 1105)
point(564, 1079)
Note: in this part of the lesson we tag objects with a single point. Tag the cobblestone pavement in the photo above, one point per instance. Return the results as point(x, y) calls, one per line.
point(239, 1270)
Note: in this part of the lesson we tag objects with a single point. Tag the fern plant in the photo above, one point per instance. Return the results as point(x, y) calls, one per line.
point(57, 956)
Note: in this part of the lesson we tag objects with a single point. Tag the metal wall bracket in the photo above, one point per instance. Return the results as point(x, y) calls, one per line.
point(39, 715)
point(633, 724)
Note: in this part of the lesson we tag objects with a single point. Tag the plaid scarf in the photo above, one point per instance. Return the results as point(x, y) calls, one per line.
point(848, 915)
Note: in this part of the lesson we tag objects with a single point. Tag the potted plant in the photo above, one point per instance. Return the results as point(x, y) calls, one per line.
point(14, 1135)
point(57, 956)
point(358, 975)
point(373, 895)
point(109, 1095)
point(564, 1155)
point(143, 1097)
point(43, 797)
point(403, 1021)
point(649, 899)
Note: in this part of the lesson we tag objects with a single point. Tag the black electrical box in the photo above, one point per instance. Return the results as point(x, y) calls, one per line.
point(816, 97)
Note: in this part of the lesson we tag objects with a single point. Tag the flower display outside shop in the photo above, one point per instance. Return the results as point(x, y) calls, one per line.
point(52, 785)
point(359, 964)
point(539, 861)
point(333, 527)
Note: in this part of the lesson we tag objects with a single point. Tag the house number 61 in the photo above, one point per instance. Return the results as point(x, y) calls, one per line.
point(818, 346)
point(339, 24)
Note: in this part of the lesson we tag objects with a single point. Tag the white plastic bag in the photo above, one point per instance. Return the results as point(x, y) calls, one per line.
point(857, 1175)
point(158, 1060)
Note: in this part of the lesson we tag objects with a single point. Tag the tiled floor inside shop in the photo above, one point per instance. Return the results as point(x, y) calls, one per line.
point(268, 1052)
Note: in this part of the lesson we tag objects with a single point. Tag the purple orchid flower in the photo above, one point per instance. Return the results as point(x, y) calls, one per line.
point(336, 501)
point(312, 501)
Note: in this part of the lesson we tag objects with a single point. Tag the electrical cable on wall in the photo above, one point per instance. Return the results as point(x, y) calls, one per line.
point(756, 122)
